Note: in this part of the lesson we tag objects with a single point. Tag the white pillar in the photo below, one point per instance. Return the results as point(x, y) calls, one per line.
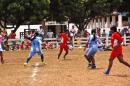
point(119, 20)
point(113, 20)
point(99, 23)
point(91, 24)
point(88, 26)
point(94, 24)
point(103, 22)
point(108, 22)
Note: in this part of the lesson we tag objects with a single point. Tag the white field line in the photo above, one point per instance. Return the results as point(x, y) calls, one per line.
point(34, 74)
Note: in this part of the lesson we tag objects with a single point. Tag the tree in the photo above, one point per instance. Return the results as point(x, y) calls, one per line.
point(56, 11)
point(82, 11)
point(125, 6)
point(17, 12)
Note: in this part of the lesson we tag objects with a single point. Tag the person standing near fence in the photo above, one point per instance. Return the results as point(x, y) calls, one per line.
point(116, 41)
point(91, 48)
point(72, 33)
point(1, 49)
point(63, 43)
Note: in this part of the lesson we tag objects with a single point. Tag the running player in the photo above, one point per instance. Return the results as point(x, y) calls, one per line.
point(116, 41)
point(63, 44)
point(35, 48)
point(91, 48)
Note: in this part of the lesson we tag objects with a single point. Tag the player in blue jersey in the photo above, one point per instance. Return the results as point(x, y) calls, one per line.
point(35, 47)
point(91, 48)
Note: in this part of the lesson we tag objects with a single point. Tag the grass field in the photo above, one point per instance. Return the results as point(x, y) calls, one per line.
point(70, 72)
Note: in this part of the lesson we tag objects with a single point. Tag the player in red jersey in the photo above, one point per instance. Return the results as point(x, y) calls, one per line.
point(63, 43)
point(116, 41)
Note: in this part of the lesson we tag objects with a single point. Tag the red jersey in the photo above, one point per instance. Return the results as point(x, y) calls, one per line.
point(117, 36)
point(118, 51)
point(64, 38)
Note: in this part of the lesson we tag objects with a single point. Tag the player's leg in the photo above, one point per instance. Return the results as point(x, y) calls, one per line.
point(86, 56)
point(110, 65)
point(1, 55)
point(89, 61)
point(32, 53)
point(66, 48)
point(61, 49)
point(121, 60)
point(41, 54)
point(93, 62)
point(93, 52)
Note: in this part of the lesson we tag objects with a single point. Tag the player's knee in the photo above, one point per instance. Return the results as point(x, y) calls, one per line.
point(121, 61)
point(110, 60)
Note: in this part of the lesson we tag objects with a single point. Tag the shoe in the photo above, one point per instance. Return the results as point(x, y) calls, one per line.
point(93, 66)
point(43, 63)
point(106, 72)
point(2, 61)
point(89, 65)
point(25, 64)
point(129, 66)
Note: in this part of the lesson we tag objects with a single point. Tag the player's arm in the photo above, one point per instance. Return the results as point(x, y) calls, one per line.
point(86, 45)
point(117, 42)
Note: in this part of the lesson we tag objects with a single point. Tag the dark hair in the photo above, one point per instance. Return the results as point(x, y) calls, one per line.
point(113, 28)
point(93, 31)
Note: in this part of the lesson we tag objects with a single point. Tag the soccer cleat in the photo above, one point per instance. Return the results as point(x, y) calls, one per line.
point(106, 72)
point(93, 66)
point(89, 65)
point(25, 64)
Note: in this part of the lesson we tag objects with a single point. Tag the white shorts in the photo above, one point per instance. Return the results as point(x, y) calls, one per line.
point(90, 52)
point(1, 49)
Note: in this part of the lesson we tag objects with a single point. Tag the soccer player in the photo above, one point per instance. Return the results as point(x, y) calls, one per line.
point(1, 49)
point(63, 43)
point(91, 48)
point(116, 41)
point(35, 48)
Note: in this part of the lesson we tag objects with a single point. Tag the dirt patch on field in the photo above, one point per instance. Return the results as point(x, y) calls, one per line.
point(70, 72)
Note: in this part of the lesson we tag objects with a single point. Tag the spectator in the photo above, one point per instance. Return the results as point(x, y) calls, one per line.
point(86, 33)
point(99, 32)
point(125, 31)
point(104, 33)
point(72, 34)
point(12, 35)
point(50, 34)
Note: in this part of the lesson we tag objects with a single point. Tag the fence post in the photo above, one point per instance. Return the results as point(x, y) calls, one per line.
point(57, 43)
point(73, 42)
point(107, 40)
point(124, 41)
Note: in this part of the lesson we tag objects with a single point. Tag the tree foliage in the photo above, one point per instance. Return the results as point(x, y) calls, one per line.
point(17, 12)
point(81, 12)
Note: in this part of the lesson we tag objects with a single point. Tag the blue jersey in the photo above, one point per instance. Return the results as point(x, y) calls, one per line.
point(92, 42)
point(40, 35)
point(35, 43)
point(35, 46)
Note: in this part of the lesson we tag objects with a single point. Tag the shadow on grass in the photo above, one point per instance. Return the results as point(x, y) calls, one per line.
point(96, 68)
point(120, 75)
